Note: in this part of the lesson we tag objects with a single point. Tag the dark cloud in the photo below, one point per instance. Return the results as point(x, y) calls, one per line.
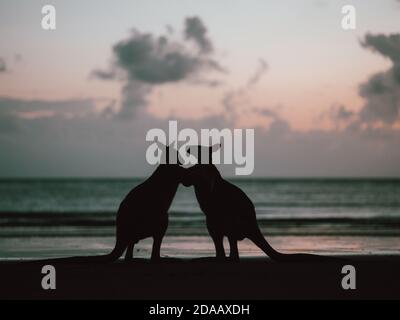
point(3, 66)
point(387, 45)
point(382, 90)
point(156, 60)
point(145, 60)
point(196, 31)
point(382, 95)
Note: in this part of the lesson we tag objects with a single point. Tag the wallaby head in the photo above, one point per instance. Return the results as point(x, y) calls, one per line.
point(229, 212)
point(169, 172)
point(202, 176)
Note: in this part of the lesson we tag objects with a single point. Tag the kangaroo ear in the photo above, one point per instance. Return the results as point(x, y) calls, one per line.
point(212, 149)
point(215, 147)
point(178, 159)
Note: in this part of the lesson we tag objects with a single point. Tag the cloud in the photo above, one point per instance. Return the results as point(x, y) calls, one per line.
point(3, 66)
point(237, 102)
point(134, 94)
point(15, 112)
point(340, 113)
point(382, 95)
point(144, 61)
point(262, 68)
point(238, 110)
point(196, 31)
point(68, 108)
point(77, 140)
point(382, 90)
point(279, 127)
point(103, 74)
point(387, 45)
point(380, 111)
point(156, 60)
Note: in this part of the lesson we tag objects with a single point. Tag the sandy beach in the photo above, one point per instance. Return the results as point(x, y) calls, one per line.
point(204, 278)
point(189, 271)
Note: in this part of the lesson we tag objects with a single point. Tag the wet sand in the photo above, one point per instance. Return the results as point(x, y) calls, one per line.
point(37, 247)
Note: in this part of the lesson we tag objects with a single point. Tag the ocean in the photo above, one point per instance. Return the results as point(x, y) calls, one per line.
point(64, 213)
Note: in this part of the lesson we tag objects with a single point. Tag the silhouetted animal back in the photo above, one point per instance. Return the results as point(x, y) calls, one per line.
point(142, 213)
point(231, 213)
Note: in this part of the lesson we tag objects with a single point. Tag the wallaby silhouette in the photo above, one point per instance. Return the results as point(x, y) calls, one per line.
point(142, 213)
point(229, 212)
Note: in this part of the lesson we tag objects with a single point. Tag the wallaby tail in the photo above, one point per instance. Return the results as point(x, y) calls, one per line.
point(106, 258)
point(263, 244)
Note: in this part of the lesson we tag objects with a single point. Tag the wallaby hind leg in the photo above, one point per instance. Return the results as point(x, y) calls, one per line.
point(234, 252)
point(219, 246)
point(155, 252)
point(263, 244)
point(129, 252)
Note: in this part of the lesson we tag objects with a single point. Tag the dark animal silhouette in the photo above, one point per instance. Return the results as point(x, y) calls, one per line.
point(229, 212)
point(143, 213)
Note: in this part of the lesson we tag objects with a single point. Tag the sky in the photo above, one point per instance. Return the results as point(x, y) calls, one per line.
point(78, 100)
